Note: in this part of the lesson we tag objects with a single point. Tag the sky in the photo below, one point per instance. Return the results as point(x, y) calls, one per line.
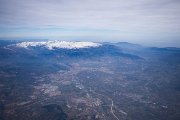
point(147, 22)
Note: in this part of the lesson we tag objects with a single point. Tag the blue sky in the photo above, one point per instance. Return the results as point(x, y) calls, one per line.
point(148, 22)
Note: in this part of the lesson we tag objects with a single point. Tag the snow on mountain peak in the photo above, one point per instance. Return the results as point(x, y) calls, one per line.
point(58, 44)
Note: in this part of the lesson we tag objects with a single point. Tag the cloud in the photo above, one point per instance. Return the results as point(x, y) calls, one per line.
point(129, 17)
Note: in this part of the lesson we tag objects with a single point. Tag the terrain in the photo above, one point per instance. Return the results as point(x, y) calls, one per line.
point(89, 81)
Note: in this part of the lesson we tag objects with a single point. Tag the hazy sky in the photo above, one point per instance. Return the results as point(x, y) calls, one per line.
point(149, 22)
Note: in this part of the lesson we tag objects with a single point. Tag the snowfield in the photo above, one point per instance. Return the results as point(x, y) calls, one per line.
point(58, 44)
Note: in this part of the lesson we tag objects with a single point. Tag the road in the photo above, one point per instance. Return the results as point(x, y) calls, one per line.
point(112, 104)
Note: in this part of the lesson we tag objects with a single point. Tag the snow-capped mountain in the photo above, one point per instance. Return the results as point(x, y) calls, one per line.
point(67, 49)
point(58, 44)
